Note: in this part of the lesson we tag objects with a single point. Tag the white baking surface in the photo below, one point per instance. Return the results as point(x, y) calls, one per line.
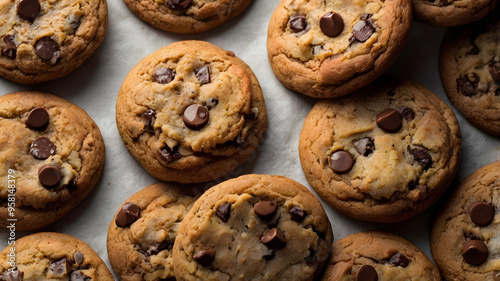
point(94, 87)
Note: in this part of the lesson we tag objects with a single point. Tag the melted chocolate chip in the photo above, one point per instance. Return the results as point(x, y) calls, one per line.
point(13, 275)
point(127, 215)
point(331, 24)
point(421, 156)
point(406, 113)
point(196, 116)
point(157, 247)
point(28, 9)
point(341, 161)
point(49, 176)
point(466, 87)
point(42, 148)
point(179, 4)
point(164, 75)
point(46, 48)
point(297, 214)
point(148, 118)
point(366, 273)
point(203, 74)
point(475, 252)
point(37, 119)
point(481, 213)
point(265, 209)
point(205, 257)
point(389, 120)
point(494, 69)
point(60, 269)
point(298, 23)
point(224, 211)
point(399, 260)
point(363, 29)
point(79, 257)
point(79, 276)
point(170, 154)
point(365, 146)
point(274, 239)
point(10, 49)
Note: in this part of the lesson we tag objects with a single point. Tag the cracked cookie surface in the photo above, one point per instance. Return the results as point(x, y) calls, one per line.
point(52, 166)
point(53, 256)
point(392, 257)
point(187, 16)
point(364, 38)
point(254, 227)
point(470, 217)
point(470, 71)
point(141, 249)
point(451, 12)
point(384, 154)
point(191, 112)
point(42, 40)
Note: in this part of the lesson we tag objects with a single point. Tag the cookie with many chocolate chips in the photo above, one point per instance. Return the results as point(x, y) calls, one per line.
point(466, 233)
point(370, 256)
point(42, 40)
point(383, 154)
point(186, 16)
point(191, 112)
point(451, 12)
point(52, 154)
point(52, 256)
point(330, 48)
point(470, 71)
point(143, 231)
point(254, 227)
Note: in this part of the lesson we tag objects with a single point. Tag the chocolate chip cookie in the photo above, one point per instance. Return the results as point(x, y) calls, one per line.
point(368, 256)
point(470, 71)
point(191, 112)
point(465, 236)
point(254, 227)
point(143, 231)
point(383, 154)
point(331, 48)
point(41, 40)
point(52, 154)
point(52, 256)
point(451, 12)
point(186, 16)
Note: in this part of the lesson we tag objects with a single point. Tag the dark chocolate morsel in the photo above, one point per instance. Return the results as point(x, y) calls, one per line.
point(203, 74)
point(341, 161)
point(224, 211)
point(196, 116)
point(148, 118)
point(265, 209)
point(205, 257)
point(42, 148)
point(406, 113)
point(10, 49)
point(365, 146)
point(363, 29)
point(164, 75)
point(78, 276)
point(466, 87)
point(475, 252)
point(46, 48)
point(61, 268)
point(49, 176)
point(298, 23)
point(28, 9)
point(366, 273)
point(389, 120)
point(79, 257)
point(170, 155)
point(157, 247)
point(399, 260)
point(128, 214)
point(179, 4)
point(331, 24)
point(421, 156)
point(274, 239)
point(37, 119)
point(481, 213)
point(14, 275)
point(297, 214)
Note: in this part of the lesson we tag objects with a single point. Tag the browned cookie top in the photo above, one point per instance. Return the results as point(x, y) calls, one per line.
point(451, 12)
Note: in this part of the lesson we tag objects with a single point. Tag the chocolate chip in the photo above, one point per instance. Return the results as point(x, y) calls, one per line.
point(148, 118)
point(366, 273)
point(269, 257)
point(494, 69)
point(341, 161)
point(72, 23)
point(13, 275)
point(297, 214)
point(128, 214)
point(274, 239)
point(475, 252)
point(211, 102)
point(317, 49)
point(466, 87)
point(37, 119)
point(421, 156)
point(46, 48)
point(481, 213)
point(28, 9)
point(331, 24)
point(196, 116)
point(157, 247)
point(203, 74)
point(363, 29)
point(224, 211)
point(79, 257)
point(365, 146)
point(298, 23)
point(205, 257)
point(10, 49)
point(42, 148)
point(412, 184)
point(266, 209)
point(60, 268)
point(179, 4)
point(164, 75)
point(389, 120)
point(399, 260)
point(49, 176)
point(406, 113)
point(170, 154)
point(79, 276)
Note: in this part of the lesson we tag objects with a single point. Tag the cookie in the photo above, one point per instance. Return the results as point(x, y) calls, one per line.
point(143, 231)
point(451, 12)
point(186, 16)
point(52, 154)
point(470, 71)
point(254, 227)
point(464, 237)
point(328, 49)
point(191, 112)
point(42, 40)
point(52, 256)
point(383, 154)
point(366, 256)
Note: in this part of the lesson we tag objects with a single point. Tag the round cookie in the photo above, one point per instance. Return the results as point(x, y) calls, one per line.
point(143, 231)
point(451, 12)
point(52, 153)
point(191, 112)
point(383, 255)
point(41, 40)
point(330, 48)
point(254, 227)
point(470, 71)
point(186, 16)
point(465, 238)
point(52, 256)
point(383, 154)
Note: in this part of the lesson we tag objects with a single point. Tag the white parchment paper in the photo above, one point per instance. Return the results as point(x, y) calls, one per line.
point(94, 87)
